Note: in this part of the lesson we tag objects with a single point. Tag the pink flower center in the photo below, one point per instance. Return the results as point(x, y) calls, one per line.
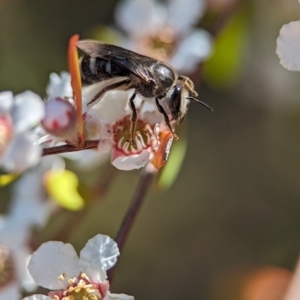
point(82, 288)
point(121, 136)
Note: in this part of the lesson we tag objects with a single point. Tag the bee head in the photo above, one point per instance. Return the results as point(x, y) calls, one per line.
point(179, 97)
point(178, 102)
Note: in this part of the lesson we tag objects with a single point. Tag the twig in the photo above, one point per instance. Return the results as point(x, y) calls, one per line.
point(132, 212)
point(70, 148)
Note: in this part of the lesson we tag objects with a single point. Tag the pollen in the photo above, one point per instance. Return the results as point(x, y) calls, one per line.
point(80, 288)
point(62, 276)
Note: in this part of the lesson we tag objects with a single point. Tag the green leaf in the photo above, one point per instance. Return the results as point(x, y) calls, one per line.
point(224, 66)
point(172, 168)
point(62, 187)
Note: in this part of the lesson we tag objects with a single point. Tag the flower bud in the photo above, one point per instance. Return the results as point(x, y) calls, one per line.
point(60, 118)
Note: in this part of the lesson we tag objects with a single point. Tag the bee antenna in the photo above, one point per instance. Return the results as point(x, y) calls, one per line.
point(202, 103)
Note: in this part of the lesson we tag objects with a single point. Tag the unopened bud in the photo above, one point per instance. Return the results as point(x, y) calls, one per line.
point(60, 118)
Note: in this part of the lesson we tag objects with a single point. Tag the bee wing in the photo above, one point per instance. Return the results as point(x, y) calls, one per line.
point(135, 63)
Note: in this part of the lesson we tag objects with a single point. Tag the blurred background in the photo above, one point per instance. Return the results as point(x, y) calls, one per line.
point(231, 219)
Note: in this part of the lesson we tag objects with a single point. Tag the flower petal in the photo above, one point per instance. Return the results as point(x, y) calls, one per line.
point(6, 101)
point(52, 260)
point(37, 297)
point(134, 161)
point(110, 296)
point(21, 154)
point(88, 159)
point(184, 13)
point(113, 106)
point(288, 46)
point(193, 49)
point(59, 85)
point(31, 206)
point(98, 255)
point(10, 291)
point(139, 17)
point(27, 111)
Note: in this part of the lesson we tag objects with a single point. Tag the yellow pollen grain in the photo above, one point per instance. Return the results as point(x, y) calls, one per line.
point(62, 276)
point(71, 281)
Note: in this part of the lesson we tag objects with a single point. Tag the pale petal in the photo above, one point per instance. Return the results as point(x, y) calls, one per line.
point(113, 106)
point(89, 92)
point(184, 13)
point(88, 159)
point(21, 259)
point(59, 85)
point(98, 255)
point(51, 260)
point(134, 161)
point(10, 291)
point(37, 297)
point(193, 49)
point(110, 296)
point(27, 111)
point(288, 46)
point(139, 17)
point(6, 101)
point(21, 154)
point(105, 146)
point(30, 205)
point(150, 113)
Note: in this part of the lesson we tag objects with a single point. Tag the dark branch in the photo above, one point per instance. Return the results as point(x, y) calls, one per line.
point(69, 148)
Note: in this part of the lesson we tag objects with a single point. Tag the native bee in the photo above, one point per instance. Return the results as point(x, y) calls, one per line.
point(124, 69)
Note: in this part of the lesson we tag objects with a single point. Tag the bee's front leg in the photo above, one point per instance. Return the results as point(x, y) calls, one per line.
point(163, 112)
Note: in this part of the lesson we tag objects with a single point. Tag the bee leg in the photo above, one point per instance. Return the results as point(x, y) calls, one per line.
point(162, 111)
point(121, 85)
point(133, 119)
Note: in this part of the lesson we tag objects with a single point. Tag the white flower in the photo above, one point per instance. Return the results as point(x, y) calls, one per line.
point(18, 116)
point(166, 31)
point(56, 266)
point(115, 113)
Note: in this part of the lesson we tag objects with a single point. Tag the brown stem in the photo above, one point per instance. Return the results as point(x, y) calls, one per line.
point(132, 212)
point(70, 148)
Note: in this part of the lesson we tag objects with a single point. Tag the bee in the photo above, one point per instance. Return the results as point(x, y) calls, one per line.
point(123, 69)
